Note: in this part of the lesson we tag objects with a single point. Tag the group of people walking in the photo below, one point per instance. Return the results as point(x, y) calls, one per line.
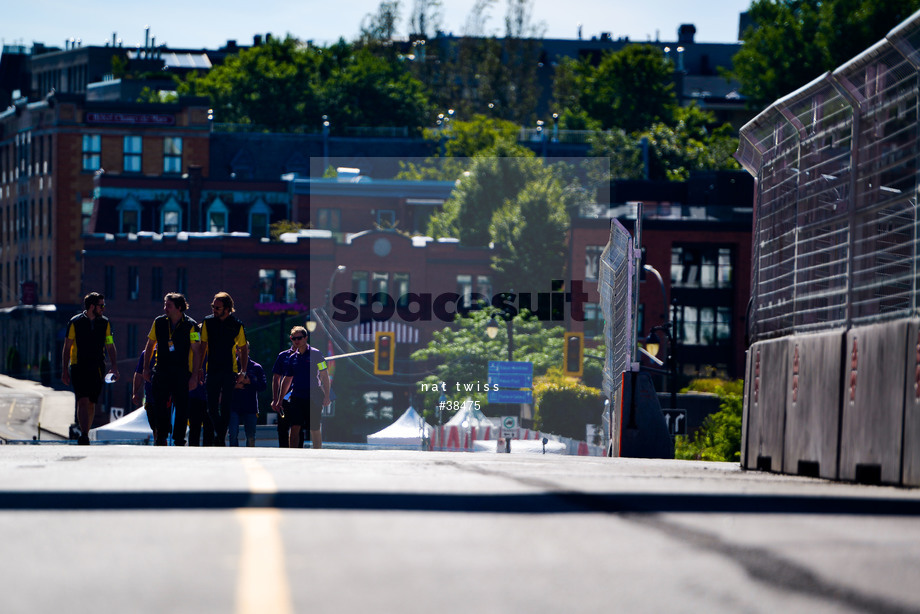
point(198, 377)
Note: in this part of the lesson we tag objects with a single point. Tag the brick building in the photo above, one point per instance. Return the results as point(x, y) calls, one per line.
point(697, 235)
point(50, 153)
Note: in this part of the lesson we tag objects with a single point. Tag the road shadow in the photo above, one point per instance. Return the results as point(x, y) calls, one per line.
point(559, 502)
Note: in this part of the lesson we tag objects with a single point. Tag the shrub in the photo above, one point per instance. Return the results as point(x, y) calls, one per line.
point(719, 437)
point(564, 405)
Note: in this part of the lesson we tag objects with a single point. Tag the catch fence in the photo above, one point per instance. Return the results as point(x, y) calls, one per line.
point(836, 220)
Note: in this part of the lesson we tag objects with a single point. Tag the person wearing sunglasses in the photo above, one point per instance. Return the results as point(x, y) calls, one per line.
point(298, 336)
point(306, 378)
point(87, 343)
point(177, 341)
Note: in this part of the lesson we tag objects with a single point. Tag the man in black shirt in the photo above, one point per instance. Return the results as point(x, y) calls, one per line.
point(177, 341)
point(221, 335)
point(86, 344)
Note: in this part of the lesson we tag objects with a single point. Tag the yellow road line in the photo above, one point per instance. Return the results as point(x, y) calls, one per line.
point(262, 585)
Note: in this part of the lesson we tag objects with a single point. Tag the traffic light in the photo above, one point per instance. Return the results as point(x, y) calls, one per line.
point(573, 354)
point(384, 352)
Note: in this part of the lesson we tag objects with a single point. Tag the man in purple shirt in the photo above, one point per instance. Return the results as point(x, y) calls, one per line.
point(284, 416)
point(307, 380)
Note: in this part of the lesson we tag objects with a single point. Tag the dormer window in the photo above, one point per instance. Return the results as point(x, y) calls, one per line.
point(217, 216)
point(171, 217)
point(129, 215)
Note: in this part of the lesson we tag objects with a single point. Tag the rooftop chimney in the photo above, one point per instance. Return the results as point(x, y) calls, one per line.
point(685, 34)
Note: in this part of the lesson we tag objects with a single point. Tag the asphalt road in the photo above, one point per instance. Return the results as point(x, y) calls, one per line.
point(19, 414)
point(144, 529)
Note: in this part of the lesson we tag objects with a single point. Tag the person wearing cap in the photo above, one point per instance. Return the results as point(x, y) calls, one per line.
point(87, 343)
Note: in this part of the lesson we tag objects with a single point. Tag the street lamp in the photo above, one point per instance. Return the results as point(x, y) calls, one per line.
point(339, 269)
point(653, 345)
point(492, 332)
point(326, 127)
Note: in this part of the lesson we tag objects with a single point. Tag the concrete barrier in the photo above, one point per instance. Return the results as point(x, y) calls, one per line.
point(764, 426)
point(644, 431)
point(746, 403)
point(871, 428)
point(911, 458)
point(813, 404)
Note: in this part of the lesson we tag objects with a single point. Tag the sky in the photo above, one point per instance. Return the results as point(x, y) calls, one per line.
point(194, 24)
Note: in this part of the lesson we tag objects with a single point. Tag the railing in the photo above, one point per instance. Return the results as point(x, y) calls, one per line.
point(836, 218)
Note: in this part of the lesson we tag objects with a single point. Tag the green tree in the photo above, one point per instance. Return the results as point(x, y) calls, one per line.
point(477, 135)
point(274, 85)
point(368, 90)
point(282, 226)
point(795, 41)
point(284, 84)
point(460, 141)
point(460, 353)
point(629, 89)
point(495, 177)
point(719, 437)
point(530, 232)
point(691, 143)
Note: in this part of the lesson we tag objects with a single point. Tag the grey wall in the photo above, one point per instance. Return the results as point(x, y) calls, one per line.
point(812, 404)
point(840, 405)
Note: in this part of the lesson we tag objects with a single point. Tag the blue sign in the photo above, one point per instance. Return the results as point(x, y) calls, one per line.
point(497, 367)
point(510, 396)
point(511, 380)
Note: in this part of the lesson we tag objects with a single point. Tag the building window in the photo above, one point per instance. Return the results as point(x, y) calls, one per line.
point(401, 288)
point(360, 285)
point(465, 290)
point(380, 284)
point(701, 267)
point(181, 280)
point(171, 217)
point(172, 154)
point(266, 286)
point(109, 284)
point(594, 321)
point(131, 342)
point(386, 218)
point(288, 285)
point(593, 262)
point(378, 405)
point(259, 219)
point(86, 213)
point(129, 215)
point(156, 284)
point(484, 286)
point(134, 284)
point(705, 325)
point(92, 152)
point(329, 219)
point(133, 153)
point(217, 217)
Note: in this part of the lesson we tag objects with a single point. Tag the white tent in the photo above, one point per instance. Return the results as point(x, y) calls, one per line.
point(408, 430)
point(467, 417)
point(130, 427)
